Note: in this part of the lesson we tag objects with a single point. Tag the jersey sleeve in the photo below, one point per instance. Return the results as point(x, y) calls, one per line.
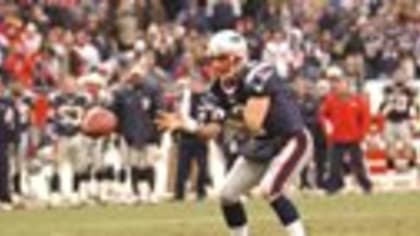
point(258, 81)
point(156, 95)
point(114, 99)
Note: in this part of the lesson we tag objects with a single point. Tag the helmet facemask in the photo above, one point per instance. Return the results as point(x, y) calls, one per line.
point(228, 54)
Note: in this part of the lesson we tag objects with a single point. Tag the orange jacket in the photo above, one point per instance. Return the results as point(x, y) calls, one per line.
point(348, 118)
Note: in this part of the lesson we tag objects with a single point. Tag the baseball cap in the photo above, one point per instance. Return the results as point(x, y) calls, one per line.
point(334, 72)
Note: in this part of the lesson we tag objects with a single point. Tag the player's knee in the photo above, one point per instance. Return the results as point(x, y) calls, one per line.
point(99, 175)
point(109, 173)
point(122, 176)
point(285, 209)
point(228, 196)
point(268, 194)
point(83, 176)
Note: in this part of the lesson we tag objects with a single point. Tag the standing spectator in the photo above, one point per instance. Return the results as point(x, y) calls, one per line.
point(40, 18)
point(175, 6)
point(136, 105)
point(374, 6)
point(389, 59)
point(354, 67)
point(191, 146)
point(188, 68)
point(270, 15)
point(309, 106)
point(407, 65)
point(223, 15)
point(87, 52)
point(329, 18)
point(279, 52)
point(346, 118)
point(61, 12)
point(126, 23)
point(7, 126)
point(251, 7)
point(158, 14)
point(248, 28)
point(373, 44)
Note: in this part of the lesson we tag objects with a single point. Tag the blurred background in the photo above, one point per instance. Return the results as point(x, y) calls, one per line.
point(59, 58)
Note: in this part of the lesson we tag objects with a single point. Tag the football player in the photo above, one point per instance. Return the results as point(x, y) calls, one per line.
point(23, 101)
point(98, 178)
point(399, 109)
point(278, 143)
point(69, 106)
point(136, 102)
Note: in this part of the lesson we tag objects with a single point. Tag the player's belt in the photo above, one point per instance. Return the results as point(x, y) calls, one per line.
point(264, 149)
point(260, 149)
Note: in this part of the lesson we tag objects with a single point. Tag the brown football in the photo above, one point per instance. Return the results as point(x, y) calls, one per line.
point(98, 122)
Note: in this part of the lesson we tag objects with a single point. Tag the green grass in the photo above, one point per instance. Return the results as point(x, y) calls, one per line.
point(378, 215)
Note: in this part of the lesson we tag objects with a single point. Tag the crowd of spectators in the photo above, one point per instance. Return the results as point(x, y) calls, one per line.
point(44, 43)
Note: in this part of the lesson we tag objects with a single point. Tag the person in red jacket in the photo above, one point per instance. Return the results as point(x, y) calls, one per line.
point(346, 119)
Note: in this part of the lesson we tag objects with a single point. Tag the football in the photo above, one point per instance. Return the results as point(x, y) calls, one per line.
point(98, 122)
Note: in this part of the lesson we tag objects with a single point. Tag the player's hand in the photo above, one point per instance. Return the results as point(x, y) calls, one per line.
point(209, 131)
point(168, 121)
point(328, 127)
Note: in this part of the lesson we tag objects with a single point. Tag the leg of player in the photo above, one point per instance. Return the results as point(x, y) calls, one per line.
point(292, 158)
point(243, 176)
point(288, 215)
point(216, 162)
point(161, 167)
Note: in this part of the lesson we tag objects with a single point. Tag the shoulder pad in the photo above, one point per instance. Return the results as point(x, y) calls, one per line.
point(55, 98)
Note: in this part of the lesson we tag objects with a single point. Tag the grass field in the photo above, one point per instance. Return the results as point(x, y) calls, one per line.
point(378, 215)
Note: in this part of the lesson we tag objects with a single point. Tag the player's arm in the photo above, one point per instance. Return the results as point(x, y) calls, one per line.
point(324, 115)
point(255, 113)
point(413, 106)
point(365, 117)
point(157, 99)
point(260, 87)
point(174, 122)
point(384, 107)
point(209, 127)
point(209, 131)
